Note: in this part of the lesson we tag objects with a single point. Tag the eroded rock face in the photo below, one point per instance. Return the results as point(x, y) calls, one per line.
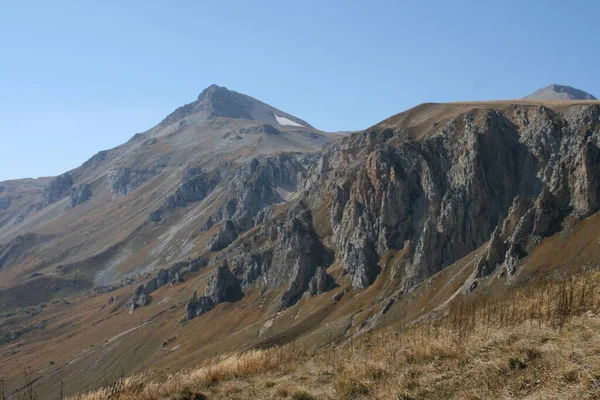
point(57, 189)
point(447, 193)
point(227, 234)
point(80, 194)
point(194, 186)
point(286, 251)
point(173, 275)
point(508, 176)
point(261, 182)
point(124, 180)
point(320, 282)
point(222, 286)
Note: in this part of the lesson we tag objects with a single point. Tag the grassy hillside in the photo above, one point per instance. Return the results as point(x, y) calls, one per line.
point(538, 341)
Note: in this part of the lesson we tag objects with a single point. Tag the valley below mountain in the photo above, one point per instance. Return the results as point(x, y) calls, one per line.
point(233, 229)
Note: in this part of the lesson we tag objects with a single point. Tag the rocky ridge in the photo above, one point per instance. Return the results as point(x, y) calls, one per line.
point(504, 177)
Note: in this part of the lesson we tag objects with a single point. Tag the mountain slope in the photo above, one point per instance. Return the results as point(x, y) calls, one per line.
point(383, 227)
point(100, 221)
point(559, 92)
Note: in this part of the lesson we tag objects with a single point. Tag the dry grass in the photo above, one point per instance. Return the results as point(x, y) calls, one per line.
point(540, 341)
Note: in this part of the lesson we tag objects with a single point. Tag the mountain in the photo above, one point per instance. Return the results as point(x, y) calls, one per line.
point(559, 92)
point(106, 214)
point(221, 230)
point(216, 101)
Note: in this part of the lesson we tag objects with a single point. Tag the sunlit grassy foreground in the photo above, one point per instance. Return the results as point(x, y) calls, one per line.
point(539, 341)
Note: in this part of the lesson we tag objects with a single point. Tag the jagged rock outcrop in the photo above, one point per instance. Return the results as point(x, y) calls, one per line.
point(98, 159)
point(297, 254)
point(261, 182)
point(173, 275)
point(446, 193)
point(222, 286)
point(190, 308)
point(290, 255)
point(162, 278)
point(506, 176)
point(320, 282)
point(227, 234)
point(124, 180)
point(57, 189)
point(249, 267)
point(194, 186)
point(197, 306)
point(150, 286)
point(80, 194)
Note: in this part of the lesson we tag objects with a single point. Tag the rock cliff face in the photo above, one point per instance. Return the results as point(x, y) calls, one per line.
point(508, 177)
point(194, 186)
point(123, 180)
point(227, 234)
point(222, 286)
point(57, 189)
point(80, 194)
point(444, 195)
point(174, 275)
point(252, 187)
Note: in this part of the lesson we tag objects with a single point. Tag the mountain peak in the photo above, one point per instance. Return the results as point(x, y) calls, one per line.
point(213, 90)
point(559, 92)
point(219, 102)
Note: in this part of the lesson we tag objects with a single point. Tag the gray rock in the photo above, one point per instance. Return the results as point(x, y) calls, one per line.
point(190, 308)
point(150, 286)
point(162, 278)
point(319, 283)
point(144, 300)
point(80, 194)
point(223, 286)
point(507, 177)
point(57, 189)
point(194, 187)
point(198, 306)
point(177, 278)
point(227, 234)
point(138, 290)
point(124, 180)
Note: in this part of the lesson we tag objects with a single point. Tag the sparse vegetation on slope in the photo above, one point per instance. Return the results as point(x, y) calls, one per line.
point(541, 340)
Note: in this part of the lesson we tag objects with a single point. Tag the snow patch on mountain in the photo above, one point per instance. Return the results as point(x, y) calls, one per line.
point(286, 121)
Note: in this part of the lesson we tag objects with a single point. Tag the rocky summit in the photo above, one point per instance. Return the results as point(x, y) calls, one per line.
point(559, 92)
point(232, 225)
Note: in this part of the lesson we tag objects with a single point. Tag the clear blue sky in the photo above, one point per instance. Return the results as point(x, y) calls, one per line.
point(77, 77)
